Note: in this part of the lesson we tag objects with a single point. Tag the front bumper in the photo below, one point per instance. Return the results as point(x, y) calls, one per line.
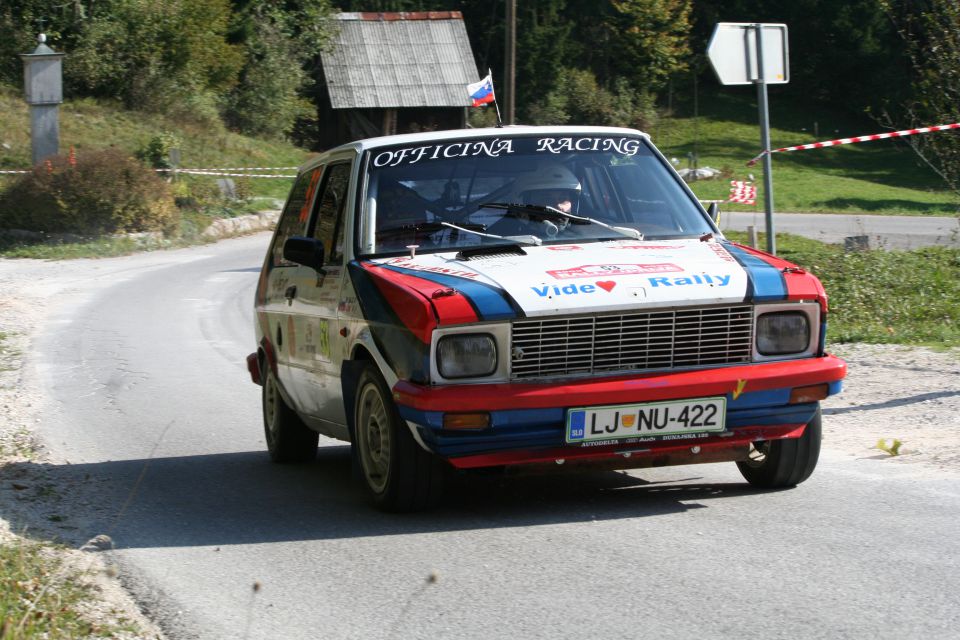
point(527, 420)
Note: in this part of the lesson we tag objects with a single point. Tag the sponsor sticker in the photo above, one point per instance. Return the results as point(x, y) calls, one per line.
point(722, 253)
point(625, 146)
point(412, 155)
point(406, 263)
point(713, 281)
point(548, 291)
point(658, 247)
point(595, 270)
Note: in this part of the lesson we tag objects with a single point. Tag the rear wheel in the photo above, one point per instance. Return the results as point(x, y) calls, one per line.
point(398, 473)
point(288, 438)
point(784, 463)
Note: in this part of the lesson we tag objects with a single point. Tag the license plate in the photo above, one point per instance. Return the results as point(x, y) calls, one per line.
point(673, 419)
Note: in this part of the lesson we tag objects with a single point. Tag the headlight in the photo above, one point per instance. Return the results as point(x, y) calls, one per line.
point(781, 333)
point(469, 355)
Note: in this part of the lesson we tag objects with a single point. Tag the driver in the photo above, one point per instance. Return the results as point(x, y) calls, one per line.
point(551, 185)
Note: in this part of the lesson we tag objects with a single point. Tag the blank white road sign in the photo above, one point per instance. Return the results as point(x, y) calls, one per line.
point(733, 53)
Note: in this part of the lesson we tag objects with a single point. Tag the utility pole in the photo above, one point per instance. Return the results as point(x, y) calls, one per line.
point(510, 62)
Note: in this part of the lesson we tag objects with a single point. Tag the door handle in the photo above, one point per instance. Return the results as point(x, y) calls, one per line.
point(290, 293)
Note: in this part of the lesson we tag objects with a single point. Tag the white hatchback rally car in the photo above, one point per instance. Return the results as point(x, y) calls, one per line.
point(523, 298)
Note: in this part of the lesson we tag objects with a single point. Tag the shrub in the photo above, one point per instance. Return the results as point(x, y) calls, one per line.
point(156, 152)
point(581, 100)
point(103, 192)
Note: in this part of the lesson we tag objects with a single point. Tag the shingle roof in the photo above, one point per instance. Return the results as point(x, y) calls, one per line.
point(418, 59)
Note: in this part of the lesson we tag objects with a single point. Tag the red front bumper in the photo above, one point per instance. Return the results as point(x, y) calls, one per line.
point(622, 390)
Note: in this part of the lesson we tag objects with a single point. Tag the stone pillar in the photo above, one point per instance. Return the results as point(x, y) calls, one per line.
point(43, 88)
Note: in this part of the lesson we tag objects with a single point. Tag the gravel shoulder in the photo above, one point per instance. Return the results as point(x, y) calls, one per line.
point(911, 394)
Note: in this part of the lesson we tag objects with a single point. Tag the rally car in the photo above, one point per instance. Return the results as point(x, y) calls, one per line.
point(526, 298)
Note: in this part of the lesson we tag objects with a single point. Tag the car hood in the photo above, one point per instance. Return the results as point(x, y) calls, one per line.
point(599, 276)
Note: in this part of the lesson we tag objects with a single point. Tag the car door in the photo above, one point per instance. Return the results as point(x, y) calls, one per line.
point(316, 365)
point(275, 312)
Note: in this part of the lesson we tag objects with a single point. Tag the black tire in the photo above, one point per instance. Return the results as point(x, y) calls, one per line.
point(288, 438)
point(784, 463)
point(397, 472)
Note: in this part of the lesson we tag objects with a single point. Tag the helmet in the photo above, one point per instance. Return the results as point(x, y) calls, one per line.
point(550, 185)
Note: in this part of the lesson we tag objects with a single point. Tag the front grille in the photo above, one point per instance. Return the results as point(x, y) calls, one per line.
point(660, 339)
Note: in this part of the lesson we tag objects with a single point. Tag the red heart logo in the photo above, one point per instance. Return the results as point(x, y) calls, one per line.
point(607, 285)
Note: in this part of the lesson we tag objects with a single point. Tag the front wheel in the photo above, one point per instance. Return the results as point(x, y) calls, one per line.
point(784, 463)
point(398, 474)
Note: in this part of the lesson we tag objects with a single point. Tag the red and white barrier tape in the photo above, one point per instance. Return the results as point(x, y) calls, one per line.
point(875, 136)
point(248, 169)
point(197, 172)
point(205, 172)
point(743, 192)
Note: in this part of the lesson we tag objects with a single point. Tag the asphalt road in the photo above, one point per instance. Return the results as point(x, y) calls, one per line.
point(150, 402)
point(884, 232)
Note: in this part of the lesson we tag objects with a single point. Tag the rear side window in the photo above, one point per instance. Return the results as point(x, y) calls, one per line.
point(293, 220)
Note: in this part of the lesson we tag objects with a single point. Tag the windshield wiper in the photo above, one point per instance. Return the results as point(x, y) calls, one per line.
point(547, 212)
point(534, 240)
point(420, 227)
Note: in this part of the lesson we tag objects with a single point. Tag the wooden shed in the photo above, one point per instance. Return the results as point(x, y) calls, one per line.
point(389, 73)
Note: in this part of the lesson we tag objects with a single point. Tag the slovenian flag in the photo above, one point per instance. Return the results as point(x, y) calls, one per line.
point(482, 92)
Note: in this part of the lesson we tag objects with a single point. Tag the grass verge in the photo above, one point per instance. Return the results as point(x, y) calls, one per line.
point(881, 177)
point(192, 225)
point(878, 296)
point(42, 596)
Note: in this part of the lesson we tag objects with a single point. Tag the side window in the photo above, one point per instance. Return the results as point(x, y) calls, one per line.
point(293, 220)
point(331, 207)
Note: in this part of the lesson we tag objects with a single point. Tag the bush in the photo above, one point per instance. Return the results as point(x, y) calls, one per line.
point(581, 100)
point(103, 192)
point(156, 152)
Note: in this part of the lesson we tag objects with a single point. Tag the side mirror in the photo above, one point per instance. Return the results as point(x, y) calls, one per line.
point(714, 212)
point(305, 251)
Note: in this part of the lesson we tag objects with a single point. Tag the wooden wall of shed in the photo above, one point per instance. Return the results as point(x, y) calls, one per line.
point(339, 126)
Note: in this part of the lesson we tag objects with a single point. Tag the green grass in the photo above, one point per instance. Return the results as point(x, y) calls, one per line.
point(882, 177)
point(42, 598)
point(192, 225)
point(899, 297)
point(88, 125)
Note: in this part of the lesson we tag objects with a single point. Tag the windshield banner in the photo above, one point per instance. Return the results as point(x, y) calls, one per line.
point(496, 147)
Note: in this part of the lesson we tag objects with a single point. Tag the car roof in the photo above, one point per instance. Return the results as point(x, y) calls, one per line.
point(359, 146)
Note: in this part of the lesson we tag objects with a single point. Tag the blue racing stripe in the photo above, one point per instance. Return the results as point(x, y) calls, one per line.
point(491, 303)
point(766, 281)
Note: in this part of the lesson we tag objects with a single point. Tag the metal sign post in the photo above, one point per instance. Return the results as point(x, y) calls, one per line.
point(765, 143)
point(753, 53)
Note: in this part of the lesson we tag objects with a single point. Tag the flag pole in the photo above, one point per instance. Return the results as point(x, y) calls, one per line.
point(495, 105)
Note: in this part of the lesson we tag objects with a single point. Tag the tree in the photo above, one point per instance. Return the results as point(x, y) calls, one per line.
point(931, 32)
point(650, 40)
point(22, 20)
point(157, 55)
point(283, 41)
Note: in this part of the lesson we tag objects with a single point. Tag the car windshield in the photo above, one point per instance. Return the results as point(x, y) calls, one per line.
point(456, 194)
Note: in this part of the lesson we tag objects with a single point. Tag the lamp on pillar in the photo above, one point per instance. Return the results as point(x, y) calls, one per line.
point(43, 86)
